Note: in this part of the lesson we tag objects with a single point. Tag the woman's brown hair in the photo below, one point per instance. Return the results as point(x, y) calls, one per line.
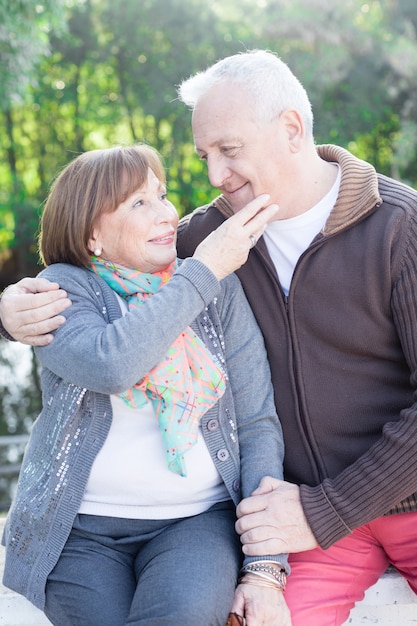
point(94, 183)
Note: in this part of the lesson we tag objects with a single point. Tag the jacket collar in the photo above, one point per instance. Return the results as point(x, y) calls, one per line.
point(358, 193)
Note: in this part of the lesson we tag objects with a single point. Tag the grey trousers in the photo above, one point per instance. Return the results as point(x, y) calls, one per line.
point(115, 571)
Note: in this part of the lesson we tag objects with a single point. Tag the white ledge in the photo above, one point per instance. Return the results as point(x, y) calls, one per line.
point(390, 602)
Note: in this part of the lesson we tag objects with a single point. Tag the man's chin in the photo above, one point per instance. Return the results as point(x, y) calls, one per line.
point(237, 205)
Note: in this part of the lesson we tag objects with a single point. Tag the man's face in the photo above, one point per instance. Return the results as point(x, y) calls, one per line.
point(243, 158)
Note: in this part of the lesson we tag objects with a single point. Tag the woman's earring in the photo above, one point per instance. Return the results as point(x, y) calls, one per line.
point(97, 251)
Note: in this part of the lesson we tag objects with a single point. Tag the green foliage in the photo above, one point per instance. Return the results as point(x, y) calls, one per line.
point(24, 27)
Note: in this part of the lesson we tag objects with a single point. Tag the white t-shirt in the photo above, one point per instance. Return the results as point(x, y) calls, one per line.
point(130, 477)
point(286, 240)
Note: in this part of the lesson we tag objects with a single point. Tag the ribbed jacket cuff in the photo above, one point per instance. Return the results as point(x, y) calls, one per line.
point(324, 521)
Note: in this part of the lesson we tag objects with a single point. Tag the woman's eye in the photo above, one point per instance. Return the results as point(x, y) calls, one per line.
point(138, 203)
point(164, 195)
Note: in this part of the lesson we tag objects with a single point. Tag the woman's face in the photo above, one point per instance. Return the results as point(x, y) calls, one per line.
point(142, 233)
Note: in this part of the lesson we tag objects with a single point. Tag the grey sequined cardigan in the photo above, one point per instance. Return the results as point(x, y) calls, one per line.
point(100, 352)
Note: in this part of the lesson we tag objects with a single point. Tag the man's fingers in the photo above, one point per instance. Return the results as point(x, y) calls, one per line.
point(266, 485)
point(264, 548)
point(57, 300)
point(252, 505)
point(37, 340)
point(33, 285)
point(43, 311)
point(18, 301)
point(249, 525)
point(43, 326)
point(27, 317)
point(38, 333)
point(259, 541)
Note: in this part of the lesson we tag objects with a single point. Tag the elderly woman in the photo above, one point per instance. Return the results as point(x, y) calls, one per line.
point(158, 414)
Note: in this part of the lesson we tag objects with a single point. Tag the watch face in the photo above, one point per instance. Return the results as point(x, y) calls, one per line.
point(235, 620)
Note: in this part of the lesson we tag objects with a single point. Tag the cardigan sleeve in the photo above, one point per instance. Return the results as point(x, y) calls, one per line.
point(108, 355)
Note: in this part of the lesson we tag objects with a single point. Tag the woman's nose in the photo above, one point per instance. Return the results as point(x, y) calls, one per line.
point(163, 212)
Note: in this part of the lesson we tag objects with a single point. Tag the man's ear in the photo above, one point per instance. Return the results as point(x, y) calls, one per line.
point(294, 128)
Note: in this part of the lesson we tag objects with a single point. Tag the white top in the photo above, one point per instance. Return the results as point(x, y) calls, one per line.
point(130, 477)
point(287, 239)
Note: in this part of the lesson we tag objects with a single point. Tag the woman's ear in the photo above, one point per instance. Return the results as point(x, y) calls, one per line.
point(94, 244)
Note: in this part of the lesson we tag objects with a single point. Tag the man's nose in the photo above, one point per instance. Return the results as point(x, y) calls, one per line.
point(218, 172)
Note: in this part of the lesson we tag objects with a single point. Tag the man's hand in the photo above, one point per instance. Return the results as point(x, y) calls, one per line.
point(272, 520)
point(30, 310)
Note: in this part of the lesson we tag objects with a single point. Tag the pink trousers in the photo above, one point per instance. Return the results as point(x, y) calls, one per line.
point(325, 584)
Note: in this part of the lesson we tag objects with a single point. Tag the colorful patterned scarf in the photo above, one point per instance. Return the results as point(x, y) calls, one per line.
point(187, 381)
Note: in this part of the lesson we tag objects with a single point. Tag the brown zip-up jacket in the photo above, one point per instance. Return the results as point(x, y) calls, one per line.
point(342, 349)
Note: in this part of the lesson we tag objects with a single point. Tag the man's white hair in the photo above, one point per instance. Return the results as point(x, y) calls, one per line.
point(269, 82)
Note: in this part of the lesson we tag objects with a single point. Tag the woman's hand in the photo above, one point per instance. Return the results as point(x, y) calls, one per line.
point(30, 310)
point(261, 606)
point(227, 248)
